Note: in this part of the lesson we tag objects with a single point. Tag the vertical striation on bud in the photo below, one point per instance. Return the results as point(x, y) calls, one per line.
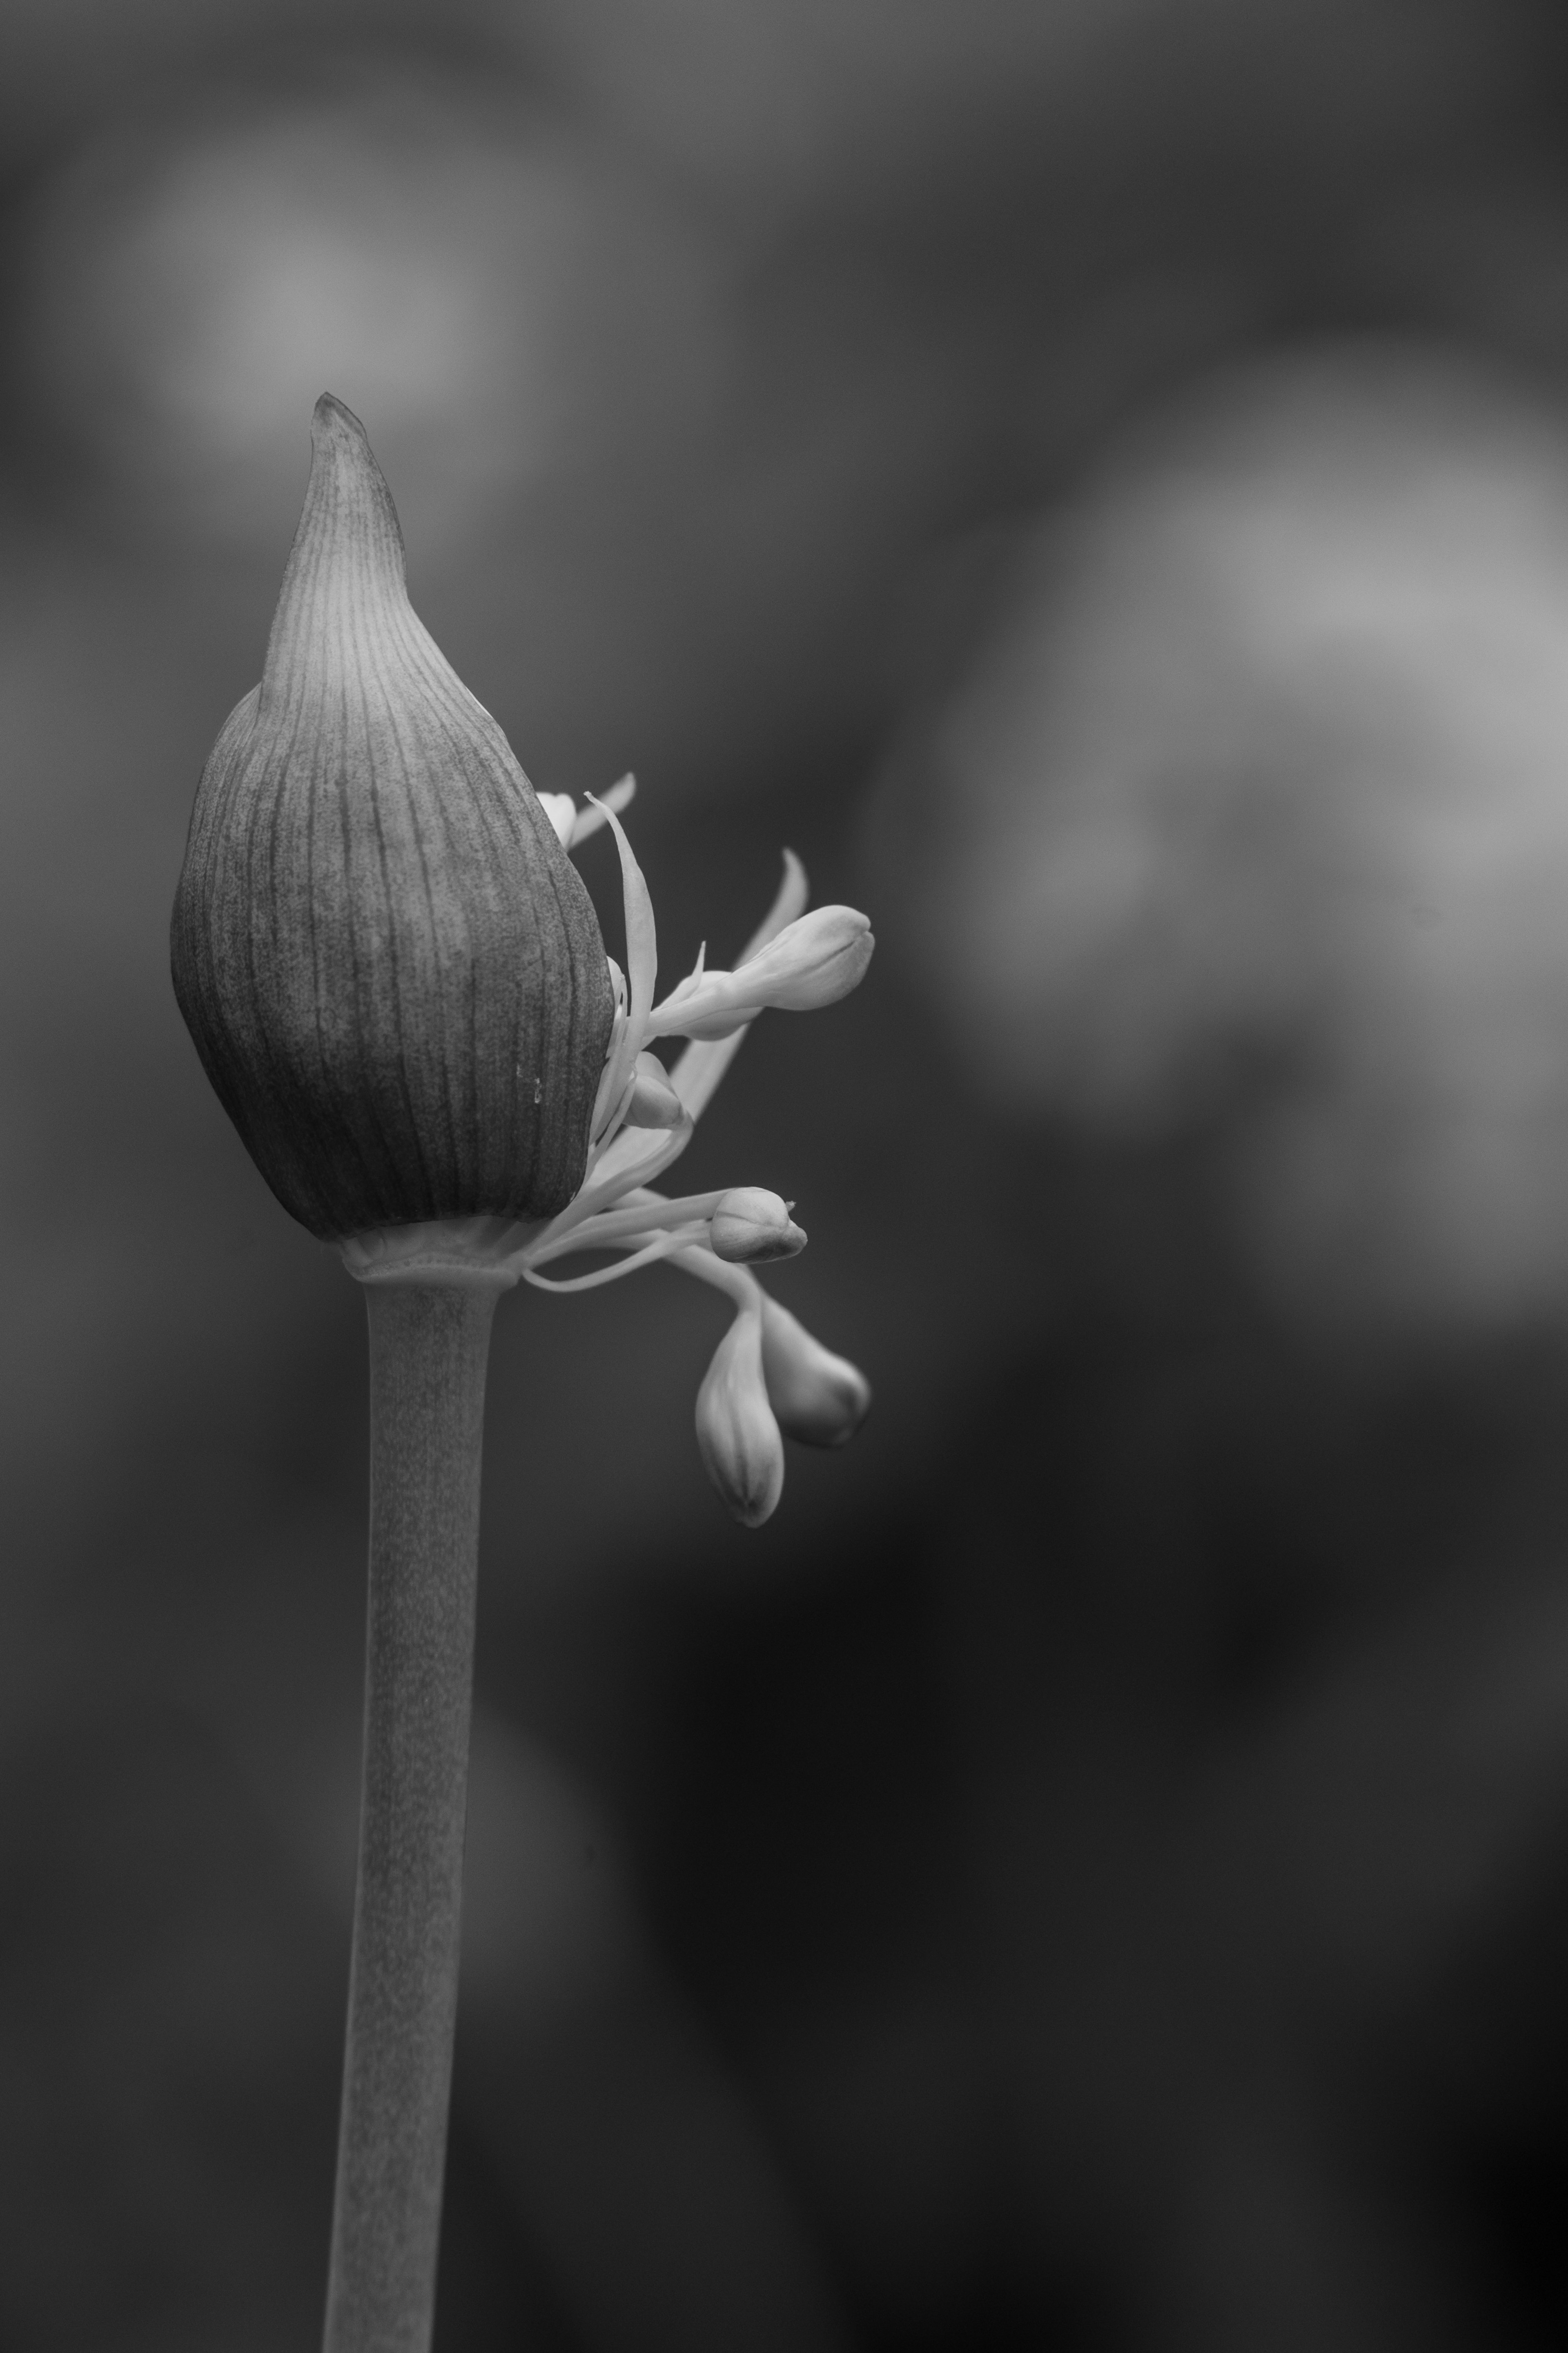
point(390, 970)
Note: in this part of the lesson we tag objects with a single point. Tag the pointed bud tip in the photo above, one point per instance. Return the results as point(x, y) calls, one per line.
point(332, 419)
point(349, 543)
point(343, 471)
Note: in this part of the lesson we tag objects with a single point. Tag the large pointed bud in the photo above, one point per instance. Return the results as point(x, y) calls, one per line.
point(818, 1398)
point(392, 972)
point(737, 1435)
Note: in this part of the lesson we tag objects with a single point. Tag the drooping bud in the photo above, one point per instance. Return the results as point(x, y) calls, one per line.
point(750, 1224)
point(390, 970)
point(737, 1435)
point(816, 1396)
point(813, 962)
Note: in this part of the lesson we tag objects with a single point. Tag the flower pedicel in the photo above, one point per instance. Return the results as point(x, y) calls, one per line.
point(397, 986)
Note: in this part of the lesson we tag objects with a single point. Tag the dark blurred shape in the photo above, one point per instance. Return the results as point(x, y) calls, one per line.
point(884, 108)
point(169, 1998)
point(605, 2110)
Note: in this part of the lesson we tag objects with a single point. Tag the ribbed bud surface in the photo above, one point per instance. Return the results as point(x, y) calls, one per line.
point(392, 972)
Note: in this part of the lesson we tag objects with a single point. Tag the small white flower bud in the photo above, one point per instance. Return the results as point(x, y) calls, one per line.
point(737, 1435)
point(813, 962)
point(751, 1225)
point(654, 1102)
point(816, 1396)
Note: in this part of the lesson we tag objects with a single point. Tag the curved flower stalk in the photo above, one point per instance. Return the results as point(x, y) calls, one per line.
point(395, 981)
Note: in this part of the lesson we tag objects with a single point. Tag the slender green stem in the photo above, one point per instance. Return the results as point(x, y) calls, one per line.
point(428, 1347)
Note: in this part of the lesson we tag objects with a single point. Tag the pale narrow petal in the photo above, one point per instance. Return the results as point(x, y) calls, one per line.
point(590, 820)
point(642, 939)
point(695, 1077)
point(642, 969)
point(661, 1246)
point(788, 904)
point(605, 1102)
point(610, 1228)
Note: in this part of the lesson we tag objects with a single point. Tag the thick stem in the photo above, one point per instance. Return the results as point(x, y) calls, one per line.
point(429, 1346)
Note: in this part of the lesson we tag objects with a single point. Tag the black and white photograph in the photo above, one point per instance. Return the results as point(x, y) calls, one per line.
point(632, 631)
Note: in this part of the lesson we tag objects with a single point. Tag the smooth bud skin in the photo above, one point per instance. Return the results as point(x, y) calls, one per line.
point(751, 1225)
point(390, 970)
point(737, 1435)
point(654, 1102)
point(816, 1396)
point(813, 962)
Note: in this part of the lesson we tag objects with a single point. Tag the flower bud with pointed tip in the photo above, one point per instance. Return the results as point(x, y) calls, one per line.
point(390, 970)
point(737, 1435)
point(816, 1396)
point(749, 1226)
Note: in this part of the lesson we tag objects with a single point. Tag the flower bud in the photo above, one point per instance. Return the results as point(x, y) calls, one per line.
point(654, 1102)
point(750, 1224)
point(816, 1396)
point(813, 962)
point(390, 968)
point(737, 1435)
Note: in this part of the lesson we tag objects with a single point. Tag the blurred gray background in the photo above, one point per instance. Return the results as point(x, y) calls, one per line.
point(1093, 1873)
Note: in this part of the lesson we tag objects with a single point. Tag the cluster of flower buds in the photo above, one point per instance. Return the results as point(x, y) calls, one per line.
point(770, 1379)
point(397, 984)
